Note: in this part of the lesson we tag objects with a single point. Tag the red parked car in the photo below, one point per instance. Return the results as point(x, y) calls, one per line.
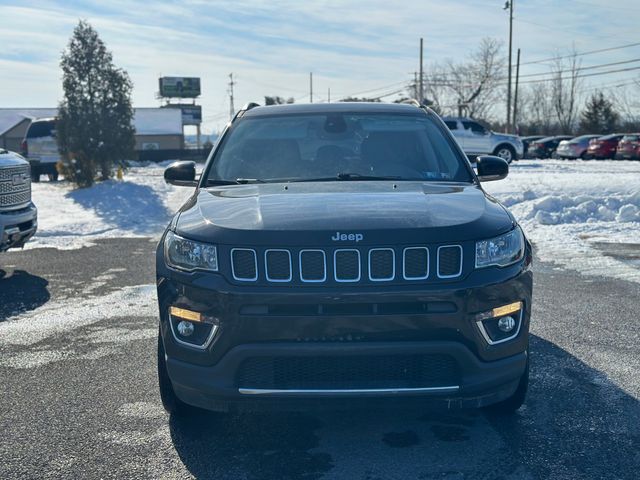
point(604, 147)
point(629, 147)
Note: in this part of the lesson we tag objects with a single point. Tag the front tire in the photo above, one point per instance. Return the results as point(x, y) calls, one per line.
point(514, 402)
point(506, 152)
point(170, 401)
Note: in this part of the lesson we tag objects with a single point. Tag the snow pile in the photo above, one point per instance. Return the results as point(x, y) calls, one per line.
point(139, 206)
point(578, 213)
point(553, 210)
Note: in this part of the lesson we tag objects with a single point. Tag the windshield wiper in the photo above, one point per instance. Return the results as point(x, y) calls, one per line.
point(212, 182)
point(238, 181)
point(249, 180)
point(344, 176)
point(358, 176)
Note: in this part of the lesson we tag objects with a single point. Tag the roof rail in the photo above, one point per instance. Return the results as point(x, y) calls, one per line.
point(244, 109)
point(412, 101)
point(249, 106)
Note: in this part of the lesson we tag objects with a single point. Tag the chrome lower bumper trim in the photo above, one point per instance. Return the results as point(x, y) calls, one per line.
point(350, 391)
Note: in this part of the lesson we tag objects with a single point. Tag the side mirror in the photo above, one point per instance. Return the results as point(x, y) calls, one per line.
point(491, 168)
point(182, 174)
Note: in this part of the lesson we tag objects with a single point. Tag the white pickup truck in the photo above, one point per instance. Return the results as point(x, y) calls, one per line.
point(476, 140)
point(18, 214)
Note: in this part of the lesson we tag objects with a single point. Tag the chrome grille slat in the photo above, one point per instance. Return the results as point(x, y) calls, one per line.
point(9, 172)
point(277, 265)
point(241, 267)
point(449, 261)
point(308, 276)
point(15, 199)
point(379, 264)
point(413, 259)
point(344, 269)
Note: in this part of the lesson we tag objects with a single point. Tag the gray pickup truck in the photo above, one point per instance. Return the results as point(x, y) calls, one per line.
point(18, 214)
point(477, 140)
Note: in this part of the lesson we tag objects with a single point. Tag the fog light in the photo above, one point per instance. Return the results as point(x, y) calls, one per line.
point(506, 324)
point(185, 314)
point(185, 329)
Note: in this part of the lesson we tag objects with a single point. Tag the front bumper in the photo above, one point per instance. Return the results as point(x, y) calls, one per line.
point(215, 387)
point(210, 378)
point(17, 227)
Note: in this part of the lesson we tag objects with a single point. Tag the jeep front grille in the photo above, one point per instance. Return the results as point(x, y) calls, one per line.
point(346, 265)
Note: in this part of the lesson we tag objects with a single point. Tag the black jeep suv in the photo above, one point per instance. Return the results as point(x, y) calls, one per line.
point(341, 252)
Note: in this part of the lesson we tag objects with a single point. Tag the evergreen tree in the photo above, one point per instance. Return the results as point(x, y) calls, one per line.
point(276, 100)
point(94, 127)
point(360, 99)
point(599, 115)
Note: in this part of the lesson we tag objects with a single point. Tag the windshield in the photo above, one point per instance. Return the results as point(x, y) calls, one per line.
point(583, 138)
point(333, 147)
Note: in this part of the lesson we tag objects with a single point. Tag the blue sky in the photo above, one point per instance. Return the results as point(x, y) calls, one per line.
point(351, 46)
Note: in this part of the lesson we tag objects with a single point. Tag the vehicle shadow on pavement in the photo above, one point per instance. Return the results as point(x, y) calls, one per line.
point(126, 205)
point(576, 424)
point(20, 292)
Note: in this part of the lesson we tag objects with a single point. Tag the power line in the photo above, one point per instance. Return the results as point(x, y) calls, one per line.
point(384, 87)
point(590, 52)
point(628, 69)
point(591, 67)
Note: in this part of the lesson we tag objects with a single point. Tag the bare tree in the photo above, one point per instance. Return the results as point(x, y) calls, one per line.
point(437, 88)
point(476, 83)
point(625, 101)
point(536, 107)
point(565, 83)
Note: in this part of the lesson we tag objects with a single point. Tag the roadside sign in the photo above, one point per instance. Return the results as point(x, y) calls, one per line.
point(180, 87)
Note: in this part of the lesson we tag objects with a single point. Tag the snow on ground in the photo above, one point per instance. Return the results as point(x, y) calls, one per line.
point(139, 206)
point(582, 215)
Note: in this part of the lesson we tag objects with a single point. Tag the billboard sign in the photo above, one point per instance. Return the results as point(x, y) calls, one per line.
point(180, 87)
point(191, 114)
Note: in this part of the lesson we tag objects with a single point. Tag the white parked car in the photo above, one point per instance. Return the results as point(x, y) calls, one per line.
point(476, 140)
point(41, 148)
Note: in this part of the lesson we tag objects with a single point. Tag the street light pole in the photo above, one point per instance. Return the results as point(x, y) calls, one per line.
point(509, 4)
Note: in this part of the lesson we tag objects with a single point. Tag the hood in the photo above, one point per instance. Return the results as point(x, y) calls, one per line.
point(507, 137)
point(11, 159)
point(383, 213)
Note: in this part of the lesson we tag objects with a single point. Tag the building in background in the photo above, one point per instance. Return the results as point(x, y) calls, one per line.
point(159, 134)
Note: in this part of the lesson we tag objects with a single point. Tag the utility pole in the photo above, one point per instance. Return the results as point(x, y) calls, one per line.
point(232, 110)
point(415, 85)
point(329, 95)
point(311, 87)
point(515, 95)
point(509, 4)
point(421, 95)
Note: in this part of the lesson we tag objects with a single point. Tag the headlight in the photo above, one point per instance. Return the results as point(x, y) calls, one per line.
point(500, 251)
point(189, 255)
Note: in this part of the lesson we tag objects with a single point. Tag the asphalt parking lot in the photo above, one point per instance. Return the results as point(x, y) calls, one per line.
point(79, 396)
